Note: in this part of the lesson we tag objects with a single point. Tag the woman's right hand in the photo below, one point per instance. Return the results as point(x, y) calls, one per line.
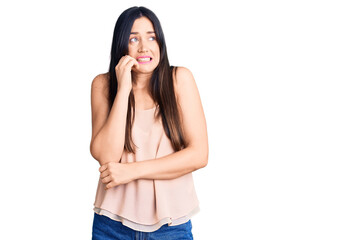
point(123, 72)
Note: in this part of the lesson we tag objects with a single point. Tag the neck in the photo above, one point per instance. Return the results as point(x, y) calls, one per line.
point(141, 80)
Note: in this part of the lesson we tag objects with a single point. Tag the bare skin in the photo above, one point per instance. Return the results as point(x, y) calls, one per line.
point(193, 157)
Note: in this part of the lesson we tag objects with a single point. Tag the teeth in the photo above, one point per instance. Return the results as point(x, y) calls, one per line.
point(143, 59)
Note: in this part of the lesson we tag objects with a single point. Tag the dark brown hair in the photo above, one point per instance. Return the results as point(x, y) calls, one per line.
point(161, 86)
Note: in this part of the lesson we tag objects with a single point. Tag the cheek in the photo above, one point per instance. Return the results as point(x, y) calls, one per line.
point(130, 51)
point(157, 52)
point(157, 58)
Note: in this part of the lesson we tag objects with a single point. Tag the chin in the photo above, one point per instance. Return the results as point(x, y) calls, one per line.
point(146, 69)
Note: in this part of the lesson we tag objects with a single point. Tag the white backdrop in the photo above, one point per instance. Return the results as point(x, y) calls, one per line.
point(276, 79)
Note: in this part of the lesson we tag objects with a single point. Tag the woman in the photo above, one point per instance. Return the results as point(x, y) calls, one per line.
point(148, 133)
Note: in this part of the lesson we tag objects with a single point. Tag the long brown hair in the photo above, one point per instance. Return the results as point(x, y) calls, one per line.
point(161, 85)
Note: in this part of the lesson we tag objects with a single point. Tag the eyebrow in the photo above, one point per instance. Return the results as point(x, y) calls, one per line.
point(138, 33)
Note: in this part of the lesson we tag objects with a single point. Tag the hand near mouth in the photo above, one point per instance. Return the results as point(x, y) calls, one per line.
point(123, 72)
point(135, 65)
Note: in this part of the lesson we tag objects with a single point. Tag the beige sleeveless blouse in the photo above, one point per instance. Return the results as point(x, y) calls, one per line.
point(143, 204)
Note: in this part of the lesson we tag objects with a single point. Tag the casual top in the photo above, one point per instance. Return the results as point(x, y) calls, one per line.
point(146, 204)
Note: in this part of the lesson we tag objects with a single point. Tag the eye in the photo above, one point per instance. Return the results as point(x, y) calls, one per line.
point(153, 38)
point(133, 39)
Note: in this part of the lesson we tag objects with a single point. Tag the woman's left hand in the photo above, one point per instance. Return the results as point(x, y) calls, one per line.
point(114, 174)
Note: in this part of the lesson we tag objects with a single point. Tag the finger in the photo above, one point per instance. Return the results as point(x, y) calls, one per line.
point(128, 61)
point(133, 63)
point(124, 60)
point(104, 174)
point(120, 62)
point(106, 179)
point(129, 58)
point(103, 168)
point(109, 185)
point(136, 64)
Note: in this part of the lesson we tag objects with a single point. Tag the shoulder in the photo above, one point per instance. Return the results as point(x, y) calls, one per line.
point(186, 91)
point(183, 78)
point(101, 83)
point(181, 75)
point(101, 80)
point(193, 118)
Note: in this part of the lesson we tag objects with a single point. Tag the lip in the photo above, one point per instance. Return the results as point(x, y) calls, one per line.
point(144, 57)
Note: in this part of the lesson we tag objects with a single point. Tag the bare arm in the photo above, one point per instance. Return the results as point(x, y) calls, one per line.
point(171, 166)
point(195, 155)
point(179, 163)
point(108, 127)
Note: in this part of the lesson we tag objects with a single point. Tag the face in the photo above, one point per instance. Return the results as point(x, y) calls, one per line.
point(143, 45)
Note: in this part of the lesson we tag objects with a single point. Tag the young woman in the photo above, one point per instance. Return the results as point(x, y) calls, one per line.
point(149, 134)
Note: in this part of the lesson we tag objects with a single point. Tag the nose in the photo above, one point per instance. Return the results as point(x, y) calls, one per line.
point(142, 50)
point(142, 47)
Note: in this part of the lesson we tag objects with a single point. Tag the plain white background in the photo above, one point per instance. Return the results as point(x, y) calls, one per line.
point(276, 79)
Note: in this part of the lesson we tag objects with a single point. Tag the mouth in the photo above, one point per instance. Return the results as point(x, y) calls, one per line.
point(144, 59)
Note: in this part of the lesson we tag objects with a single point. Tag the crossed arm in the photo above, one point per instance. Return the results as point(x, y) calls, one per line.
point(193, 157)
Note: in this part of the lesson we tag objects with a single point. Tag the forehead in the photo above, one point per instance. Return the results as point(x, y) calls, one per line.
point(142, 25)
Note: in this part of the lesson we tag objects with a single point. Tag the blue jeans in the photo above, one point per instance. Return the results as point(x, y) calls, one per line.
point(104, 228)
